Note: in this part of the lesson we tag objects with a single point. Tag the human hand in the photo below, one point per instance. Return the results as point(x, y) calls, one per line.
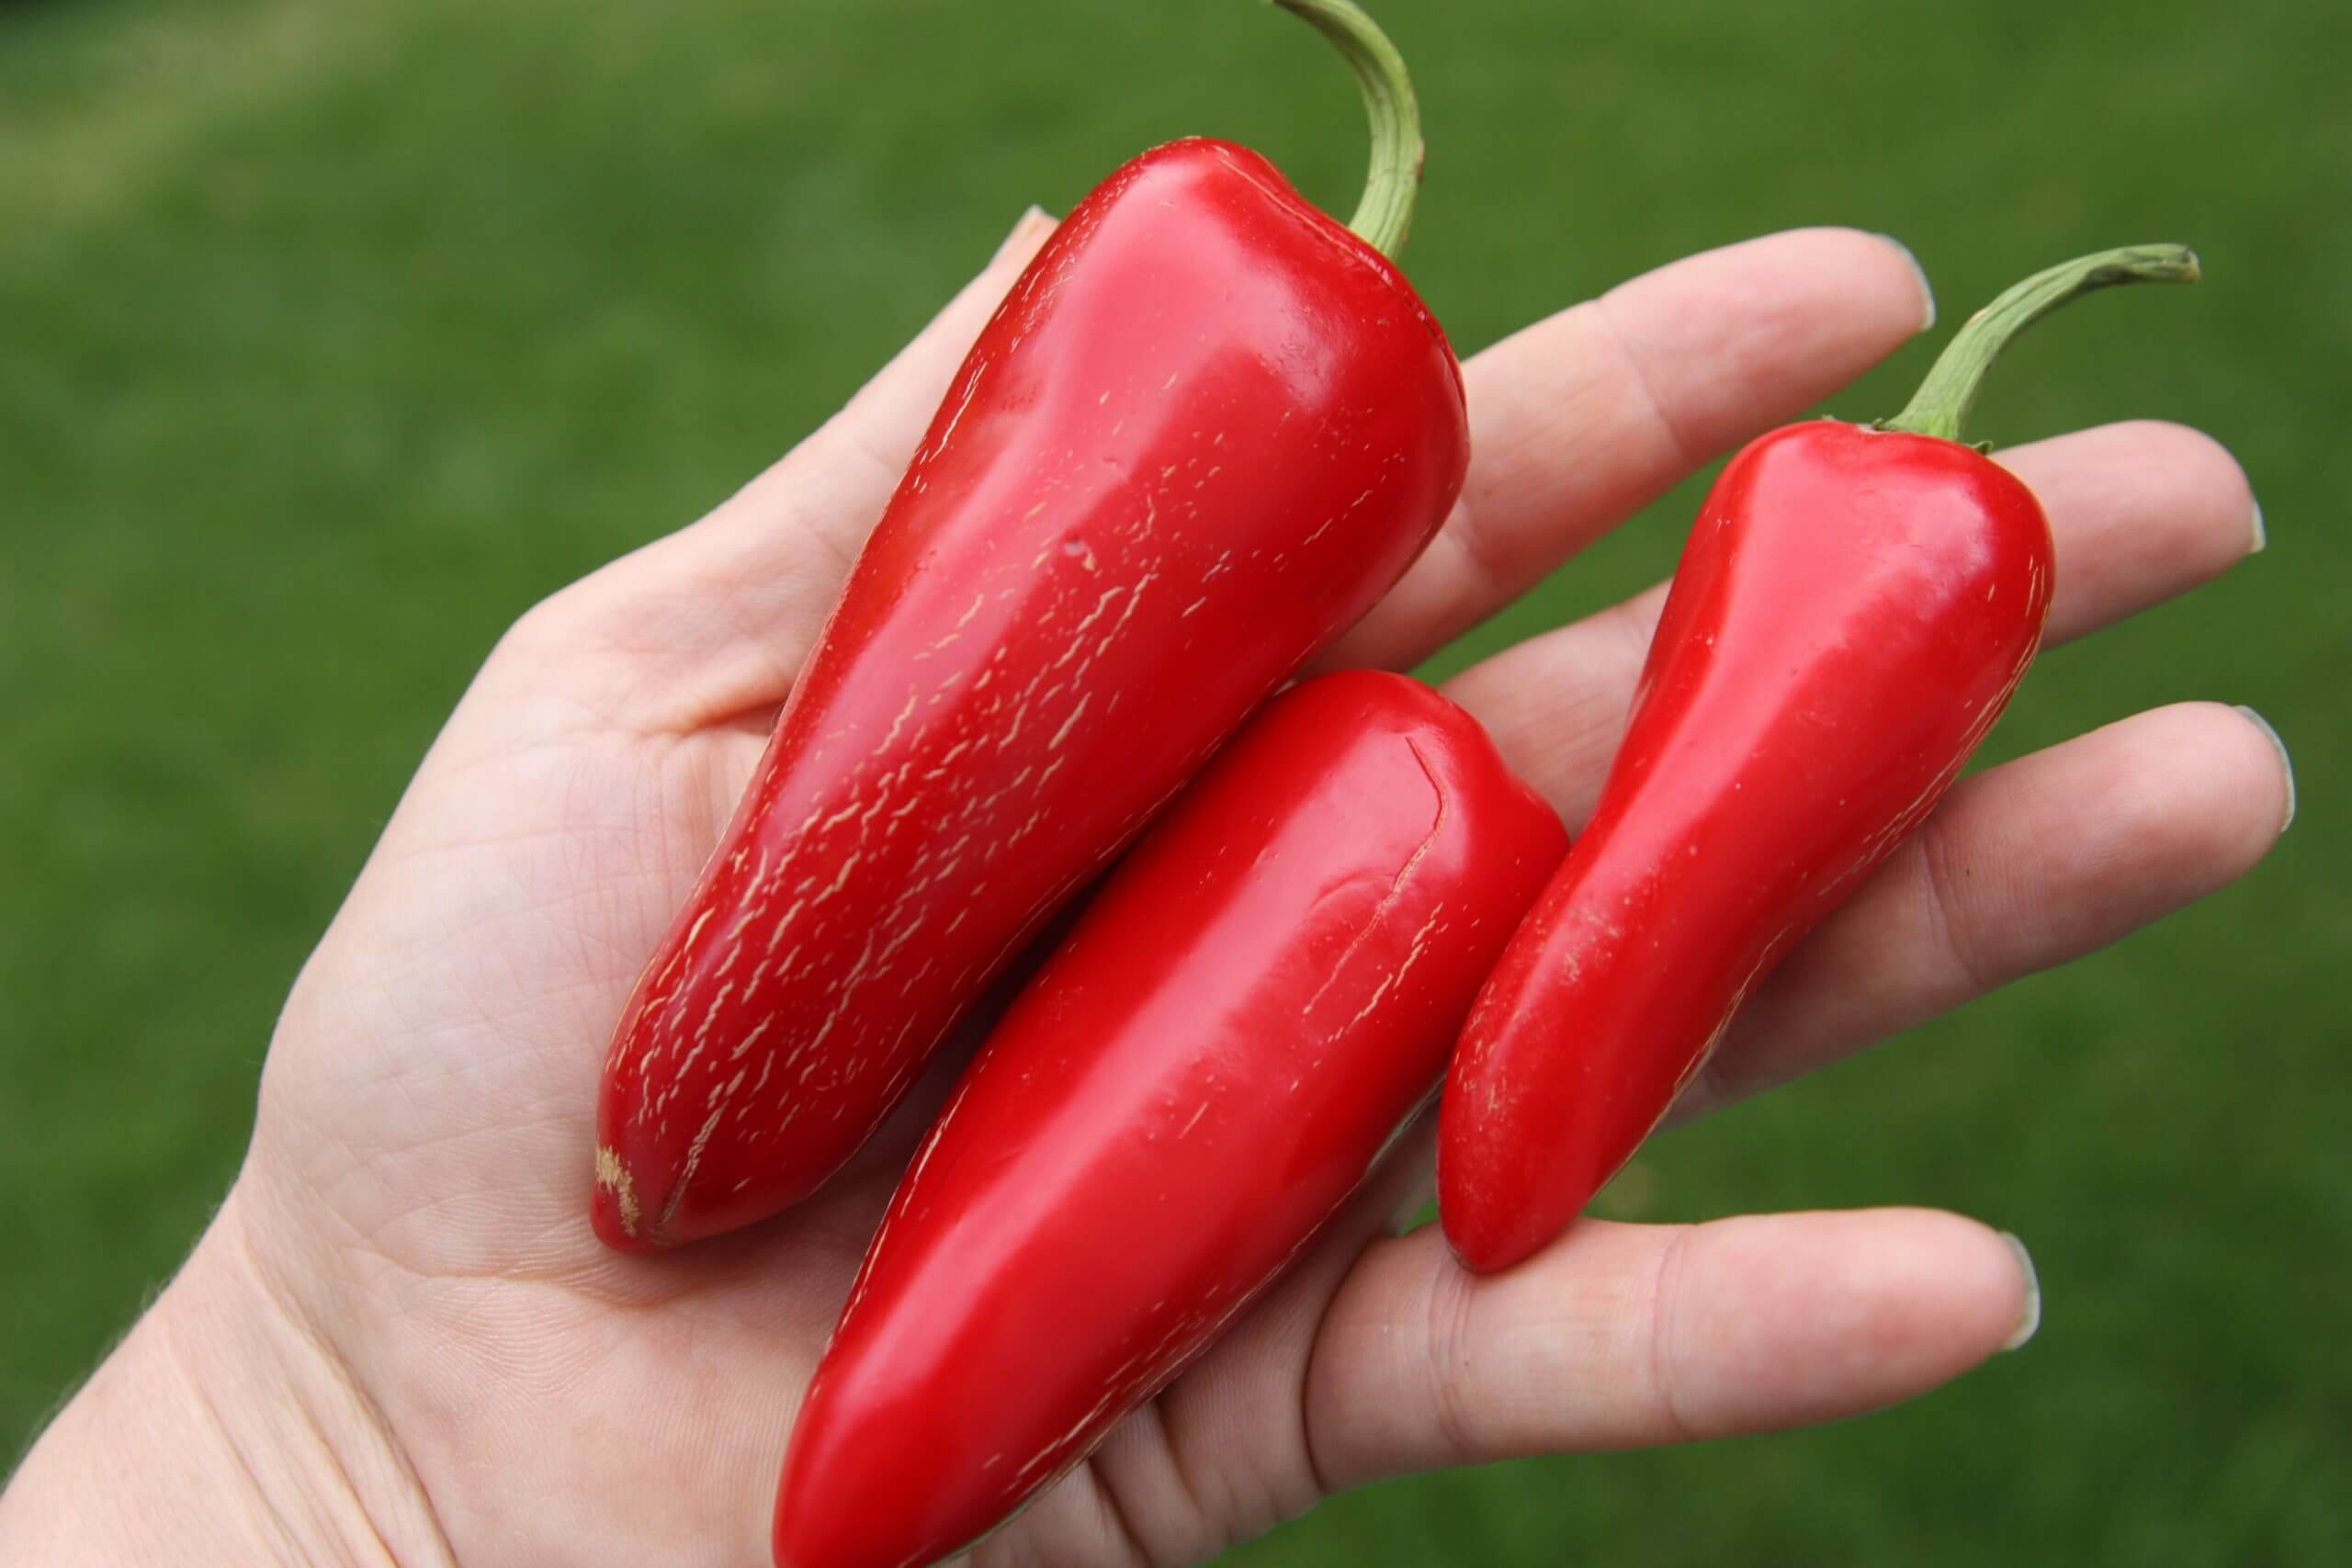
point(401, 1332)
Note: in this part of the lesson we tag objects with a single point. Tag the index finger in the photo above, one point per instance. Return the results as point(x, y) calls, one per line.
point(1580, 421)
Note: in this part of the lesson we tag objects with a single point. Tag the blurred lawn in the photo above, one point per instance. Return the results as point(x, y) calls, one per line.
point(331, 337)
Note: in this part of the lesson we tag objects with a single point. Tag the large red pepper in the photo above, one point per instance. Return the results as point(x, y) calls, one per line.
point(1854, 608)
point(1256, 1001)
point(1206, 429)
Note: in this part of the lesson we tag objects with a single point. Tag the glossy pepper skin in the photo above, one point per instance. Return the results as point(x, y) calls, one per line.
point(1854, 608)
point(1258, 999)
point(1208, 430)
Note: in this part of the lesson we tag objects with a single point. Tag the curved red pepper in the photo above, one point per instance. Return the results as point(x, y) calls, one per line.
point(1207, 429)
point(1255, 1003)
point(1852, 612)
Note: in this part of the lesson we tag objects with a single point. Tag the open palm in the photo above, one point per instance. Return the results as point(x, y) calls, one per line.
point(417, 1192)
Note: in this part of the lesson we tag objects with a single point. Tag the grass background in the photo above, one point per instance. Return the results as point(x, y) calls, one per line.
point(331, 337)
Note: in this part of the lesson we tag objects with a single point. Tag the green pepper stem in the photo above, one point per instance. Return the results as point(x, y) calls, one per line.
point(1387, 210)
point(1941, 406)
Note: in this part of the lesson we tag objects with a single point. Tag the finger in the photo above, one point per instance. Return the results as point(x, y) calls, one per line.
point(1221, 1457)
point(1622, 1336)
point(2023, 867)
point(716, 619)
point(1581, 419)
point(2140, 512)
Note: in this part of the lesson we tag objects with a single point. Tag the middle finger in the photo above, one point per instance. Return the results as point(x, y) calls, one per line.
point(2140, 512)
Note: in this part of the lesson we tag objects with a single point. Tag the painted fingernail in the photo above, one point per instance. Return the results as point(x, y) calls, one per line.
point(2286, 763)
point(1927, 289)
point(1032, 222)
point(2260, 538)
point(2031, 1319)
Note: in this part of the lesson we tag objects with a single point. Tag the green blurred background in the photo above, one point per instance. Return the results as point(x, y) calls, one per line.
point(331, 337)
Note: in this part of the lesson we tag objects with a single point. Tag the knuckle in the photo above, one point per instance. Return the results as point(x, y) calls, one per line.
point(1662, 1348)
point(1951, 910)
point(1449, 1345)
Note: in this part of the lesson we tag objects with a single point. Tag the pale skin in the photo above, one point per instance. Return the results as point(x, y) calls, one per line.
point(399, 1339)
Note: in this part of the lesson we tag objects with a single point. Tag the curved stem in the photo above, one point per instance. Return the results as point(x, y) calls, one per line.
point(1387, 210)
point(1940, 406)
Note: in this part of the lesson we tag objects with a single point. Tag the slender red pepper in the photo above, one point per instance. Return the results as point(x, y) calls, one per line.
point(1256, 1001)
point(1854, 608)
point(1206, 429)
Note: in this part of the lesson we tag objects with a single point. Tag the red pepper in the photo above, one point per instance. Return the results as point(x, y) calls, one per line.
point(1208, 430)
point(1854, 608)
point(1258, 1000)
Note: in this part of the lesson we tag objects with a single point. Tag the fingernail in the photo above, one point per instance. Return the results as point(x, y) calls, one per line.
point(2032, 1320)
point(2260, 538)
point(1031, 222)
point(2286, 763)
point(1927, 289)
